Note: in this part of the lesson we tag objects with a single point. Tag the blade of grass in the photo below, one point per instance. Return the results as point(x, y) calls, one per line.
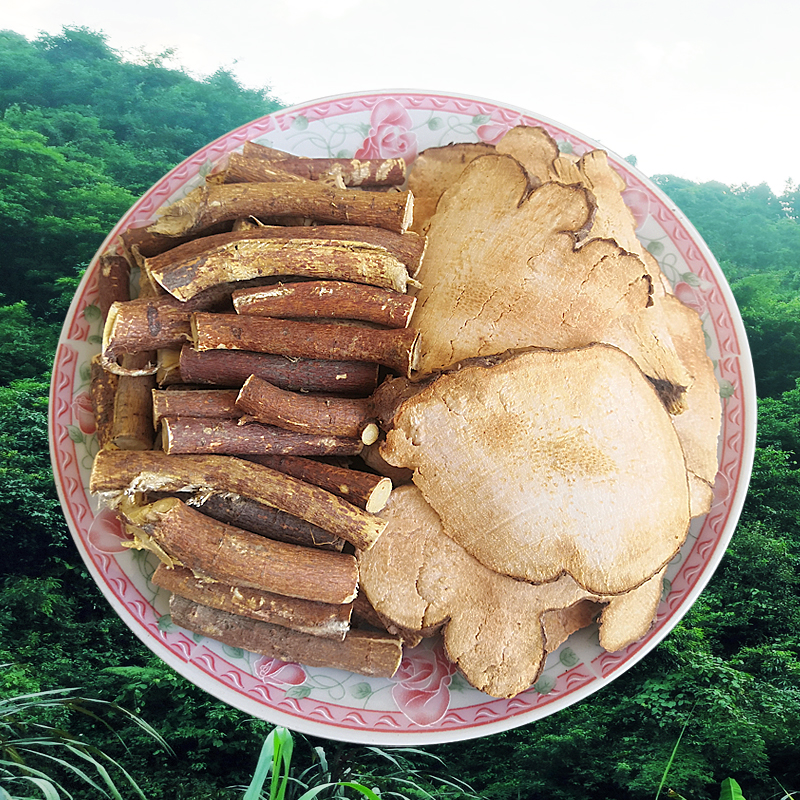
point(65, 765)
point(357, 787)
point(48, 790)
point(263, 767)
point(672, 755)
point(283, 757)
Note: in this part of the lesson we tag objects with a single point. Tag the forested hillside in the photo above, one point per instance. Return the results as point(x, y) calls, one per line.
point(82, 133)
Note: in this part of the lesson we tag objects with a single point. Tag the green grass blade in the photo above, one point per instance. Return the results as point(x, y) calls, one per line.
point(284, 750)
point(263, 767)
point(48, 790)
point(357, 787)
point(671, 759)
point(674, 751)
point(36, 776)
point(65, 765)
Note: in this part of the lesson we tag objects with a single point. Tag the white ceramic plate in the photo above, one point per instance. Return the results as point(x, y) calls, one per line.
point(427, 701)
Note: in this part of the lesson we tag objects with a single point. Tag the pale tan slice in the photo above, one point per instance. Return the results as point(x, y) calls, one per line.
point(559, 624)
point(416, 576)
point(496, 629)
point(627, 617)
point(538, 153)
point(698, 426)
point(535, 149)
point(613, 218)
point(502, 270)
point(434, 170)
point(549, 463)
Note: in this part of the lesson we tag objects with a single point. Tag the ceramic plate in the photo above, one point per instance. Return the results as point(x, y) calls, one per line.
point(427, 701)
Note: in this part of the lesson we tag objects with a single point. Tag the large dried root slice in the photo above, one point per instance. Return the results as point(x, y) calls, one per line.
point(496, 629)
point(627, 617)
point(417, 578)
point(547, 463)
point(434, 170)
point(503, 270)
point(535, 149)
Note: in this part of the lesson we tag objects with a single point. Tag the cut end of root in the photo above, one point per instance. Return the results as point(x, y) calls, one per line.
point(380, 496)
point(370, 433)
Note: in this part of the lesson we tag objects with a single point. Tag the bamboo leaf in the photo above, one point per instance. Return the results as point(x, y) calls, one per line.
point(731, 790)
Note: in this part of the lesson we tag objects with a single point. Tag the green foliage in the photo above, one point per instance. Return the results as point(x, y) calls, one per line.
point(755, 236)
point(275, 763)
point(82, 134)
point(26, 347)
point(37, 750)
point(54, 214)
point(730, 790)
point(748, 228)
point(32, 528)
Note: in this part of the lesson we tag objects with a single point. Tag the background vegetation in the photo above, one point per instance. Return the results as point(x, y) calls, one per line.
point(82, 134)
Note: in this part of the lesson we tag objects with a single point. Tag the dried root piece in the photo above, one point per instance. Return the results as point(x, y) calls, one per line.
point(349, 417)
point(364, 652)
point(146, 325)
point(103, 389)
point(435, 170)
point(532, 464)
point(263, 519)
point(393, 348)
point(113, 282)
point(132, 425)
point(496, 629)
point(327, 300)
point(535, 149)
point(231, 368)
point(698, 426)
point(204, 403)
point(363, 489)
point(207, 206)
point(116, 473)
point(328, 620)
point(257, 163)
point(418, 579)
point(183, 435)
point(185, 273)
point(240, 558)
point(408, 248)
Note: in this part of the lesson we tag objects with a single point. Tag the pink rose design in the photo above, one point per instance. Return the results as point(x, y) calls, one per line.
point(688, 295)
point(389, 135)
point(639, 204)
point(493, 131)
point(107, 533)
point(83, 413)
point(422, 690)
point(272, 670)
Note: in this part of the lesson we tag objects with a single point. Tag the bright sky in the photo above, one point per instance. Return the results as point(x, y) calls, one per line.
point(702, 89)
